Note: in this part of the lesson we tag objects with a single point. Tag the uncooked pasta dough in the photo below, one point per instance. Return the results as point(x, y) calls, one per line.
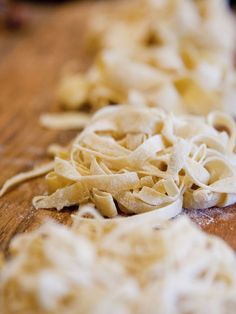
point(134, 160)
point(173, 54)
point(107, 266)
point(137, 160)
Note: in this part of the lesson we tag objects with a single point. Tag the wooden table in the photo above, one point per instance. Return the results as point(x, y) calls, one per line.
point(30, 66)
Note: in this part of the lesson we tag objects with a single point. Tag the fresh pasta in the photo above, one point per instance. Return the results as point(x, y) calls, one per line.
point(136, 160)
point(174, 54)
point(205, 24)
point(113, 266)
point(167, 144)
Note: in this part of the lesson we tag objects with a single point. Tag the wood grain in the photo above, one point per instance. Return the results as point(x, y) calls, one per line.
point(30, 66)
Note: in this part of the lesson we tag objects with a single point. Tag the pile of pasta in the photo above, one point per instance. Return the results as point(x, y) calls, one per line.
point(118, 267)
point(173, 54)
point(134, 160)
point(159, 62)
point(204, 24)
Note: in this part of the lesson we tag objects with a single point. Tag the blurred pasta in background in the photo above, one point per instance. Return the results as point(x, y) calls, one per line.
point(174, 54)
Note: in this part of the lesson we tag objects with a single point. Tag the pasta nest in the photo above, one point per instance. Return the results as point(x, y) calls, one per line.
point(104, 266)
point(173, 54)
point(138, 160)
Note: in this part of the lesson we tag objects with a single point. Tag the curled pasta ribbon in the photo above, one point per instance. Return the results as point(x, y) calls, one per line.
point(21, 177)
point(169, 54)
point(139, 160)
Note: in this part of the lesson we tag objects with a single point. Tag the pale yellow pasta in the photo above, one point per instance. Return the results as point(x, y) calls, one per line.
point(138, 159)
point(69, 121)
point(118, 266)
point(23, 176)
point(173, 54)
point(206, 24)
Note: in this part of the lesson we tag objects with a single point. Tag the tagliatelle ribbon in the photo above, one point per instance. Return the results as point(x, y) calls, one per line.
point(37, 172)
point(139, 160)
point(65, 121)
